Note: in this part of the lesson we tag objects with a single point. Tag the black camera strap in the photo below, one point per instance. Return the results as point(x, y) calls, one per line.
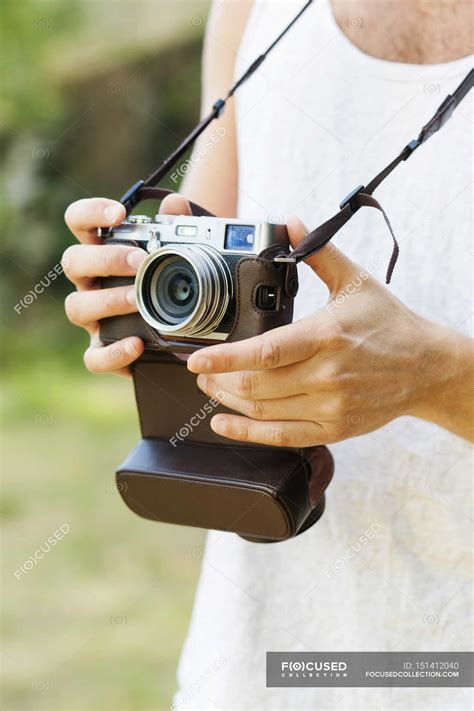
point(133, 195)
point(361, 196)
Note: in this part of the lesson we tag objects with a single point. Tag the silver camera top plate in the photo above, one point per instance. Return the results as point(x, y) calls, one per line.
point(226, 235)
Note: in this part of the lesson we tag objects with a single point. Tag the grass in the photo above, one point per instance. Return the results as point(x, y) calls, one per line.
point(99, 622)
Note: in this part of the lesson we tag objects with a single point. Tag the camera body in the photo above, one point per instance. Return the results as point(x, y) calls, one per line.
point(205, 280)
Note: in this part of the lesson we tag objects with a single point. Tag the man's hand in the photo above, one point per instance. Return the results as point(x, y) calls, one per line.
point(356, 364)
point(84, 264)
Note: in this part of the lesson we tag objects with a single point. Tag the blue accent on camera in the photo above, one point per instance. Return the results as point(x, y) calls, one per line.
point(239, 237)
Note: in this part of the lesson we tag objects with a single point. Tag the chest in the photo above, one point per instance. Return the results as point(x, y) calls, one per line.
point(412, 31)
point(323, 117)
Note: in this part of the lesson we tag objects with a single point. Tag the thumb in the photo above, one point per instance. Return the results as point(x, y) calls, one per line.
point(175, 204)
point(329, 263)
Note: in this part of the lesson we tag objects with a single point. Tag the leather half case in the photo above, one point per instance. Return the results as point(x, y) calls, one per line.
point(181, 472)
point(249, 320)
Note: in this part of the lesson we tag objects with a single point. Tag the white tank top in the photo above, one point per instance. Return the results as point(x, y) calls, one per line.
point(318, 118)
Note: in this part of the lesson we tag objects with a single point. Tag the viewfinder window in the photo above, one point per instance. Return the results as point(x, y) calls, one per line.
point(241, 237)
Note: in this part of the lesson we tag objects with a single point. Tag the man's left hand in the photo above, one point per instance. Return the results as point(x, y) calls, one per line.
point(359, 362)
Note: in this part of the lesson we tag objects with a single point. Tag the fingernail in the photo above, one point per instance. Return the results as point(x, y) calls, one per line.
point(130, 296)
point(135, 258)
point(218, 424)
point(112, 214)
point(200, 364)
point(130, 348)
point(202, 382)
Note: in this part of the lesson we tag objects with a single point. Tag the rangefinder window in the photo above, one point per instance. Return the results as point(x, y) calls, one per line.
point(239, 237)
point(186, 230)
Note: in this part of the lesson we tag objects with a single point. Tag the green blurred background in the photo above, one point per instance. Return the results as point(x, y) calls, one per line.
point(94, 94)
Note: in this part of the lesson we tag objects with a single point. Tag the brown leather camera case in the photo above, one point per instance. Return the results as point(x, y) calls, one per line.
point(181, 472)
point(248, 318)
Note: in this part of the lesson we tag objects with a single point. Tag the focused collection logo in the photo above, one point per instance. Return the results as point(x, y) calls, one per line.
point(369, 669)
point(313, 668)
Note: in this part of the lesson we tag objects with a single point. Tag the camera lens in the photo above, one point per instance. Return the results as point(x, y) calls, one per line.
point(174, 290)
point(184, 290)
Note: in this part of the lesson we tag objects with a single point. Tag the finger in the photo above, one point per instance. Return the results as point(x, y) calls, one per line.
point(83, 217)
point(329, 264)
point(275, 433)
point(274, 349)
point(257, 384)
point(88, 261)
point(85, 307)
point(175, 204)
point(294, 407)
point(104, 359)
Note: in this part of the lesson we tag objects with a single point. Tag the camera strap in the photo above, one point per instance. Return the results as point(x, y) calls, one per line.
point(134, 195)
point(361, 196)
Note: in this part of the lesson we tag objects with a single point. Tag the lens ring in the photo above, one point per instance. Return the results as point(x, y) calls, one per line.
point(222, 280)
point(208, 277)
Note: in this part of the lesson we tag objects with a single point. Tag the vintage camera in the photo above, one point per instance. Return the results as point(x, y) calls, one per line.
point(207, 279)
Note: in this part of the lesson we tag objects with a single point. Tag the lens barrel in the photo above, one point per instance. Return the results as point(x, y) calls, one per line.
point(184, 290)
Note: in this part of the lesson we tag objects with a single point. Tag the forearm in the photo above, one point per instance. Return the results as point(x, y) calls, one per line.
point(447, 382)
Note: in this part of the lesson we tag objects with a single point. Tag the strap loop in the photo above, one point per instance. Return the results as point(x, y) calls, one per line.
point(349, 199)
point(218, 107)
point(131, 197)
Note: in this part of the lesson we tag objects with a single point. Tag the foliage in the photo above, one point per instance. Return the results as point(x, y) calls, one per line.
point(90, 104)
point(72, 153)
point(30, 32)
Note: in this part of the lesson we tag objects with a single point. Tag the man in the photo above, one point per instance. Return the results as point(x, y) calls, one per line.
point(344, 91)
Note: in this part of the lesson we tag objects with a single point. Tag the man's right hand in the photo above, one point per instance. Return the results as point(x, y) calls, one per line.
point(84, 264)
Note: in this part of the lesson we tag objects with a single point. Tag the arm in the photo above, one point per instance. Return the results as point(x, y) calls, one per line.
point(447, 398)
